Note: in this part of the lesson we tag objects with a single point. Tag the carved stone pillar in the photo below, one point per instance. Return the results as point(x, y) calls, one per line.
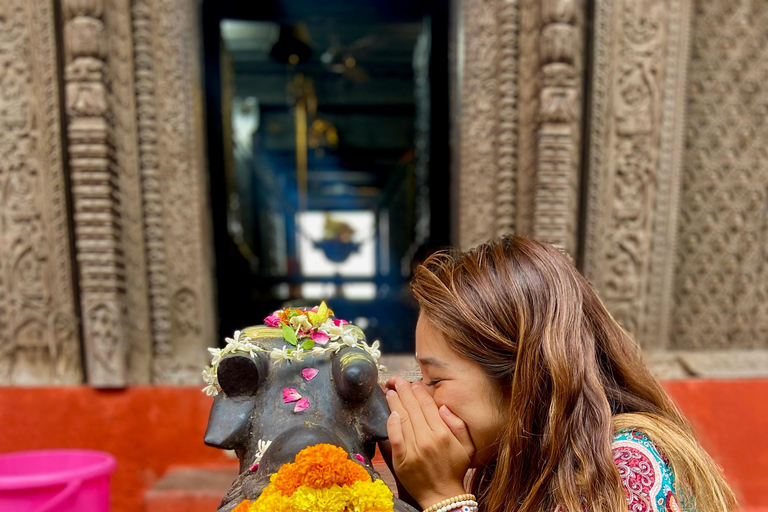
point(520, 120)
point(558, 169)
point(487, 170)
point(140, 207)
point(95, 194)
point(173, 170)
point(39, 340)
point(636, 125)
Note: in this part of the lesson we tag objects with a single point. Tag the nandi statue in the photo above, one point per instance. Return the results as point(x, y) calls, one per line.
point(298, 400)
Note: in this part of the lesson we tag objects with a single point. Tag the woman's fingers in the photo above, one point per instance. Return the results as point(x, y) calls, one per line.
point(428, 407)
point(411, 405)
point(459, 429)
point(403, 418)
point(396, 440)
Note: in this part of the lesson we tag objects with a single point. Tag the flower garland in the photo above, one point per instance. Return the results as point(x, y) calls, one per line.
point(307, 332)
point(262, 445)
point(322, 479)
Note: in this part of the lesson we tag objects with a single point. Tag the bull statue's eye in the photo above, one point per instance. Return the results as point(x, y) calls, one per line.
point(242, 375)
point(354, 374)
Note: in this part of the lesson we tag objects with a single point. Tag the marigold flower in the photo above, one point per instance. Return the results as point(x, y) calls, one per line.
point(360, 497)
point(319, 467)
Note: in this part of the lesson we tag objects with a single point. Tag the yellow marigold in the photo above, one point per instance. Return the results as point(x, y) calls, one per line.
point(319, 467)
point(360, 497)
point(371, 497)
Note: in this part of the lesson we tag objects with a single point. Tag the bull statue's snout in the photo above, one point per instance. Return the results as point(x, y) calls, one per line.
point(288, 444)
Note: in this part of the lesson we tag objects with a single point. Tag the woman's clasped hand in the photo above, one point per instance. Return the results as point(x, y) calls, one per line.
point(431, 447)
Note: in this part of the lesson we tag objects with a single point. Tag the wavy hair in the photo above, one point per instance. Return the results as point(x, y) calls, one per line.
point(571, 378)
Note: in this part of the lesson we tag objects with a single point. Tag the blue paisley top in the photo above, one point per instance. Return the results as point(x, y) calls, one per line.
point(646, 476)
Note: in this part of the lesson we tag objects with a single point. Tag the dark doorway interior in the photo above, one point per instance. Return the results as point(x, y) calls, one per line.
point(328, 148)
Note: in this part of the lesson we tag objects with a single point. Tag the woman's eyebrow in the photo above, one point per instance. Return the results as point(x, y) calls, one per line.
point(431, 361)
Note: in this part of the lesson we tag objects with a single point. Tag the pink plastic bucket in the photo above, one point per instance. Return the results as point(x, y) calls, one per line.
point(55, 480)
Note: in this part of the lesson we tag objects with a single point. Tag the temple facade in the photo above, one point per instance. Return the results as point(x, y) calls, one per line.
point(631, 133)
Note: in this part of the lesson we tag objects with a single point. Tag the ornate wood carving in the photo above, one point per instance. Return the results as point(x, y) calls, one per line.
point(640, 51)
point(557, 173)
point(166, 39)
point(721, 281)
point(39, 338)
point(487, 178)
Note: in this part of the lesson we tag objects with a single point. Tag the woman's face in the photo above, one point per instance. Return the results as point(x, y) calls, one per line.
point(461, 385)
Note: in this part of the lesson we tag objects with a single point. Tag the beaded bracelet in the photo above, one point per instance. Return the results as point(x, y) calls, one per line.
point(461, 506)
point(451, 501)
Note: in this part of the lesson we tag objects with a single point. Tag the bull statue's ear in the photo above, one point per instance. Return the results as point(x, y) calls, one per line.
point(241, 375)
point(355, 374)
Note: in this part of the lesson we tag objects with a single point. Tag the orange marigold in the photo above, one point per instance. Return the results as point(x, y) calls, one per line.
point(242, 507)
point(319, 467)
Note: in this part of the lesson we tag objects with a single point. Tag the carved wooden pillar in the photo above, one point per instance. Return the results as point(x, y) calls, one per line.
point(639, 63)
point(558, 169)
point(39, 341)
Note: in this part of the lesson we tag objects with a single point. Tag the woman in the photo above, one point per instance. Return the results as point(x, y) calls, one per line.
point(530, 383)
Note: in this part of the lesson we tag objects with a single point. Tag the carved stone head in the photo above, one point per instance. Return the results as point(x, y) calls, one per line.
point(346, 408)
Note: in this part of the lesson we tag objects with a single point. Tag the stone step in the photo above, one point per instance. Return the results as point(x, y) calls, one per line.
point(190, 489)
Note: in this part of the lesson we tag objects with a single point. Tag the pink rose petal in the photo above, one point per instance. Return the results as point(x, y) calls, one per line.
point(255, 466)
point(315, 309)
point(272, 321)
point(301, 405)
point(309, 373)
point(320, 337)
point(338, 321)
point(359, 456)
point(290, 395)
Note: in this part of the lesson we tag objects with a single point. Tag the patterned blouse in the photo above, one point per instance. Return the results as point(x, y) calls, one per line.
point(645, 474)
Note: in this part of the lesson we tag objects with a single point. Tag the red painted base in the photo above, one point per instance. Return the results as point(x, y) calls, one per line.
point(150, 429)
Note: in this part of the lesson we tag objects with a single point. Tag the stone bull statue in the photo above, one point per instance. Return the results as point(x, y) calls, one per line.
point(257, 412)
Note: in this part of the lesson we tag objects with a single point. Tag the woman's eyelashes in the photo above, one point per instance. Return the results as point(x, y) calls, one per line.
point(433, 382)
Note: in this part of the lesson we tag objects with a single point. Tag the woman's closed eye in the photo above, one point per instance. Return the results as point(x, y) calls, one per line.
point(433, 382)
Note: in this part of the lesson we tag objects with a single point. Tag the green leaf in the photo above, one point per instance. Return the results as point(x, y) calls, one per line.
point(308, 344)
point(292, 313)
point(289, 335)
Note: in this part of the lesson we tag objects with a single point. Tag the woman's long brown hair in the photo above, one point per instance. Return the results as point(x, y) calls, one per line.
point(571, 377)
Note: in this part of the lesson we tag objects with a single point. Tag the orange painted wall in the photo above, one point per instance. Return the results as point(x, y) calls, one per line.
point(731, 420)
point(149, 429)
point(146, 428)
